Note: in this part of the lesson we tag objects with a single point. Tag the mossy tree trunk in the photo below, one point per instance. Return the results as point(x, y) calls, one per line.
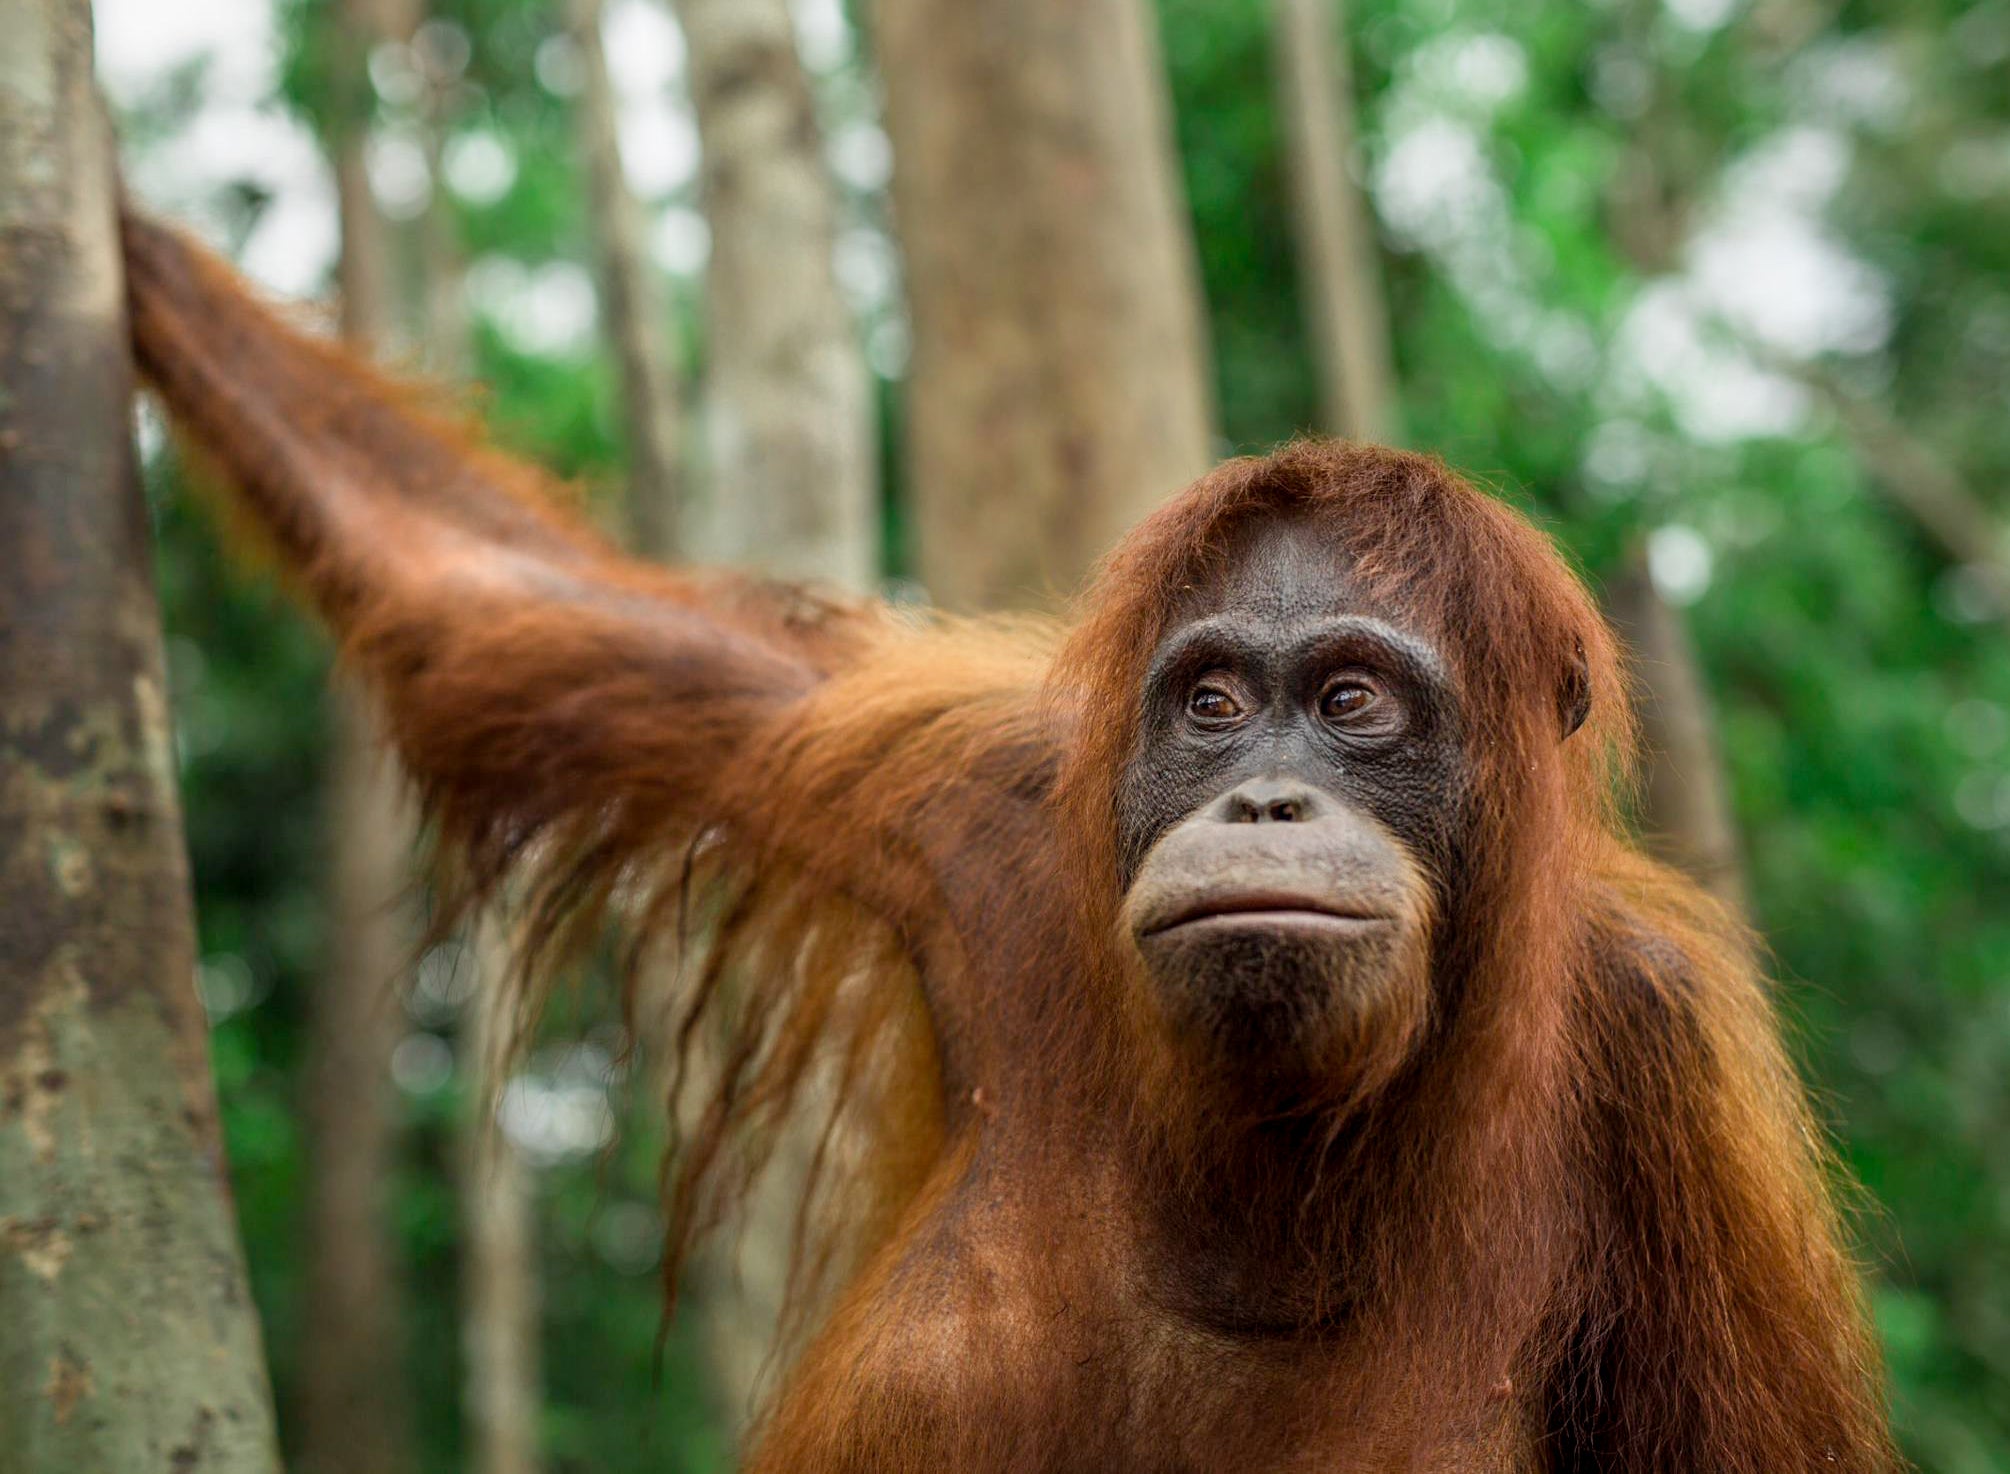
point(128, 1339)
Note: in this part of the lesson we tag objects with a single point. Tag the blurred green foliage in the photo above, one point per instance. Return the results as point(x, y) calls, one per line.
point(1551, 178)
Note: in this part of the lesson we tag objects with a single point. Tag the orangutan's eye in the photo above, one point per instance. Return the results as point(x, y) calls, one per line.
point(1212, 703)
point(1347, 698)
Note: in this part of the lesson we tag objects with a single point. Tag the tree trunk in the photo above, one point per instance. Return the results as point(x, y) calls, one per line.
point(354, 1411)
point(363, 270)
point(1059, 387)
point(499, 1313)
point(446, 335)
point(1339, 261)
point(1684, 808)
point(794, 479)
point(788, 400)
point(502, 1388)
point(631, 308)
point(130, 1339)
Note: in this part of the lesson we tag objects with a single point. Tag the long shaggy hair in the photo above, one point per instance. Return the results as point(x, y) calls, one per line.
point(877, 856)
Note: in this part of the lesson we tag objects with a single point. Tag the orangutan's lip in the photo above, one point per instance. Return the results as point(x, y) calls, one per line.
point(1267, 909)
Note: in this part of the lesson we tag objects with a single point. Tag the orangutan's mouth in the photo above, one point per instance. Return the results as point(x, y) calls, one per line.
point(1291, 910)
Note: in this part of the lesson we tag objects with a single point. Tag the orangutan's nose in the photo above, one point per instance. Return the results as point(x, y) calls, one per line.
point(1271, 801)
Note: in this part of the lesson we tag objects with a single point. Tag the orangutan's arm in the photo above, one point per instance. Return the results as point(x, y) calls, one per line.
point(536, 683)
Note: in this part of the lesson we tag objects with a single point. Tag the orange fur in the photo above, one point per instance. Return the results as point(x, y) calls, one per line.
point(1583, 1224)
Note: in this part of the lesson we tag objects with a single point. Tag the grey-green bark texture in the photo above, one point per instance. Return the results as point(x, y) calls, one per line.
point(353, 1402)
point(502, 1388)
point(1060, 386)
point(502, 1384)
point(1339, 263)
point(793, 491)
point(788, 410)
point(1684, 804)
point(631, 310)
point(351, 1408)
point(128, 1340)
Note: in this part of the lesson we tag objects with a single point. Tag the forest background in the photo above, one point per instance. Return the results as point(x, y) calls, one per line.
point(1720, 289)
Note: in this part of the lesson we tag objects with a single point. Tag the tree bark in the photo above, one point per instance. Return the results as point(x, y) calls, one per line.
point(631, 308)
point(446, 334)
point(1684, 805)
point(354, 1411)
point(788, 399)
point(1685, 810)
point(1339, 261)
point(794, 482)
point(130, 1338)
point(501, 1390)
point(1060, 385)
point(500, 1309)
point(502, 1378)
point(364, 270)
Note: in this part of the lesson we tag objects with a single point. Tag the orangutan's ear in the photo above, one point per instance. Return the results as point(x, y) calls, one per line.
point(1573, 697)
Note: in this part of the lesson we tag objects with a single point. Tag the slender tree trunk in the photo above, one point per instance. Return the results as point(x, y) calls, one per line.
point(788, 399)
point(500, 1309)
point(130, 1340)
point(503, 1391)
point(1339, 261)
point(445, 334)
point(1684, 807)
point(363, 271)
point(354, 1411)
point(502, 1387)
point(1060, 385)
point(638, 331)
point(794, 477)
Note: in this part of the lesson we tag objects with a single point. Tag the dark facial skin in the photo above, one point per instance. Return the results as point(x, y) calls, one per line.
point(1296, 785)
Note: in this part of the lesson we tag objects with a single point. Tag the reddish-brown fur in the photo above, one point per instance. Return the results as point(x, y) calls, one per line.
point(1583, 1225)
